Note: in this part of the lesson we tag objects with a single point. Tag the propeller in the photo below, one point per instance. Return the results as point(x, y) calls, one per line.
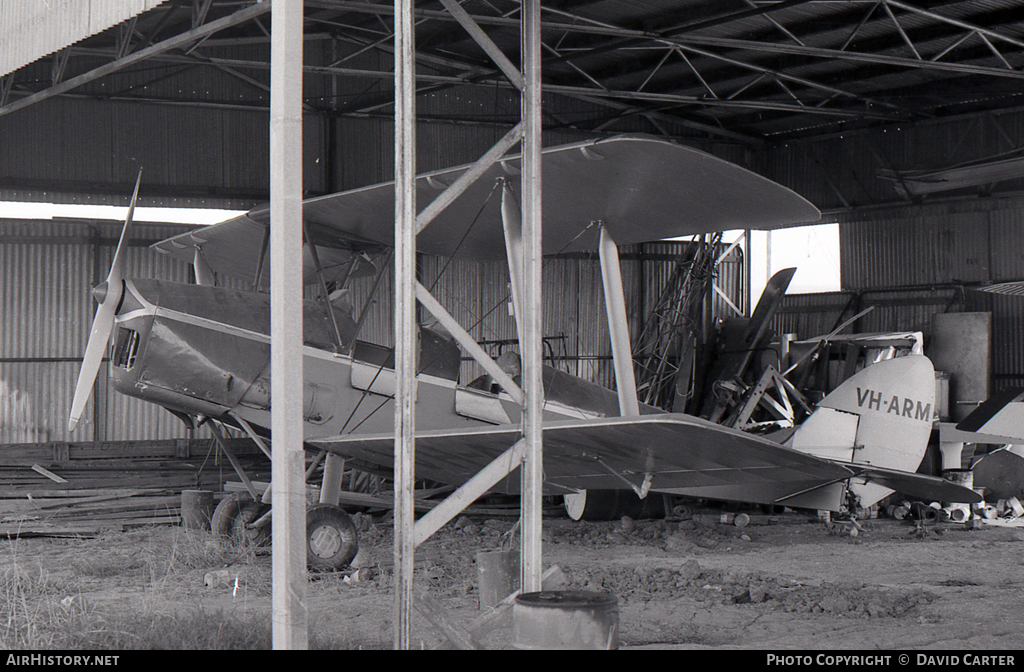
point(108, 294)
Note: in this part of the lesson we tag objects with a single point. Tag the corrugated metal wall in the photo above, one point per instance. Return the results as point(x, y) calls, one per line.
point(30, 30)
point(913, 262)
point(46, 272)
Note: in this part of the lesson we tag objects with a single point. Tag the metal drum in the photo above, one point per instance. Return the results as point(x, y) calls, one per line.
point(567, 620)
point(498, 572)
point(196, 509)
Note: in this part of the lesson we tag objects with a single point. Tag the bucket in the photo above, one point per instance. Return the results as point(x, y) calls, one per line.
point(566, 620)
point(196, 509)
point(964, 477)
point(498, 573)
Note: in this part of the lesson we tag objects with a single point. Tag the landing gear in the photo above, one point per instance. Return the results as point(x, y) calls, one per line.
point(233, 518)
point(331, 541)
point(593, 505)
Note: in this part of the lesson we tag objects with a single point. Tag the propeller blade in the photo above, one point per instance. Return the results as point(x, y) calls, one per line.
point(102, 325)
point(120, 255)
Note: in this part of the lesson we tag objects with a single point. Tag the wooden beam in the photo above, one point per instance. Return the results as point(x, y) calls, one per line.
point(480, 37)
point(469, 343)
point(405, 319)
point(452, 630)
point(469, 492)
point(290, 618)
point(532, 346)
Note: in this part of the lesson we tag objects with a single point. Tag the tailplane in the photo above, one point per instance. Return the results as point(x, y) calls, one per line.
point(879, 420)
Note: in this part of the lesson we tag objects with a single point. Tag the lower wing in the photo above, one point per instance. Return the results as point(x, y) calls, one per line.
point(663, 451)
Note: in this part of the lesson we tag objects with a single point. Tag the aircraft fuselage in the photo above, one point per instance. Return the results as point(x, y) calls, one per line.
point(201, 350)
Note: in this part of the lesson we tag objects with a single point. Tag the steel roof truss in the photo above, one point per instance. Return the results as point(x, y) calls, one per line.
point(778, 25)
point(995, 51)
point(60, 66)
point(240, 16)
point(854, 56)
point(200, 8)
point(510, 71)
point(577, 68)
point(707, 86)
point(668, 52)
point(793, 78)
point(860, 25)
point(124, 37)
point(955, 22)
point(903, 33)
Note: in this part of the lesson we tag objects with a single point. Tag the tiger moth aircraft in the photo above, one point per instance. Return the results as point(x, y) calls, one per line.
point(202, 351)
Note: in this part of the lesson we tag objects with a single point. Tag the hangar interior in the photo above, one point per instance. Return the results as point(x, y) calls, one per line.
point(900, 121)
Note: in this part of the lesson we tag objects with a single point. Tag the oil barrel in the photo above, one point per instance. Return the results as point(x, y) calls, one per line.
point(566, 620)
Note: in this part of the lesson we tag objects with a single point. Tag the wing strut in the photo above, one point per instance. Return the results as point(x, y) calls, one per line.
point(618, 325)
point(512, 223)
point(641, 490)
point(323, 285)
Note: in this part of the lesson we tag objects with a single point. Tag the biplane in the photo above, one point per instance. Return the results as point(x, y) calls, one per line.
point(202, 351)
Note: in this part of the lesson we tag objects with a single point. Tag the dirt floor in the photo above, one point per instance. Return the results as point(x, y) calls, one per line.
point(682, 583)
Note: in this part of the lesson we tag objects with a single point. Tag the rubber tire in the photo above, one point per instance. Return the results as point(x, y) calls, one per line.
point(331, 540)
point(233, 513)
point(597, 505)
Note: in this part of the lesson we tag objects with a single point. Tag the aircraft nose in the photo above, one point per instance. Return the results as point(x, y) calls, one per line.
point(99, 292)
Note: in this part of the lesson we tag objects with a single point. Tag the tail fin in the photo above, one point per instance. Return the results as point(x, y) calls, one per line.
point(880, 417)
point(1002, 415)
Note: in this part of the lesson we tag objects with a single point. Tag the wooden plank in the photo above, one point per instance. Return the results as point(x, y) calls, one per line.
point(453, 631)
point(156, 520)
point(43, 530)
point(49, 474)
point(92, 492)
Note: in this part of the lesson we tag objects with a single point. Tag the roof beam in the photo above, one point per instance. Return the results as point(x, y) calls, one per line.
point(955, 22)
point(183, 39)
point(792, 78)
point(852, 56)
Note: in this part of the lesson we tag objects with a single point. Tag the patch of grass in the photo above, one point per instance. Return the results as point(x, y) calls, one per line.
point(200, 550)
point(42, 611)
point(106, 565)
point(35, 609)
point(193, 629)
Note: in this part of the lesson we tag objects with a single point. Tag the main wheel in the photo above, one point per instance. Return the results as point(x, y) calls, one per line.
point(331, 541)
point(592, 505)
point(595, 505)
point(232, 516)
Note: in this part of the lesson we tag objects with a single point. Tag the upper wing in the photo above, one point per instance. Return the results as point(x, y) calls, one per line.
point(233, 247)
point(679, 451)
point(640, 188)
